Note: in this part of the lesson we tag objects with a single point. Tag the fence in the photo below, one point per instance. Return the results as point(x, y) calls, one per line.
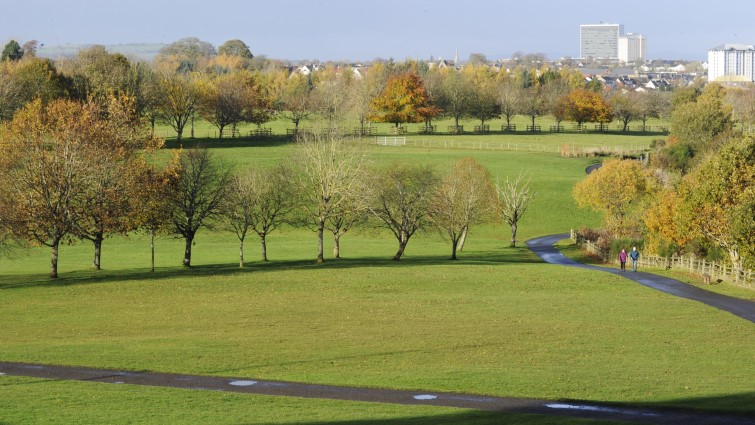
point(691, 264)
point(390, 141)
point(516, 146)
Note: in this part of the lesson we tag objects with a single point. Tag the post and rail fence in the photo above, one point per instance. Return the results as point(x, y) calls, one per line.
point(709, 270)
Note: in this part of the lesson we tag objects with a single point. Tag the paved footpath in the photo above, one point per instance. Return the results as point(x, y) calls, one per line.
point(745, 309)
point(576, 409)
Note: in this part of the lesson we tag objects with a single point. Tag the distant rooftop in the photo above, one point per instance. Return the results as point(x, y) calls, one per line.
point(733, 46)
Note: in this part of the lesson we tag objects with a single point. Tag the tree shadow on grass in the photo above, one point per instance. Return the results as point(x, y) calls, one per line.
point(465, 418)
point(236, 142)
point(498, 258)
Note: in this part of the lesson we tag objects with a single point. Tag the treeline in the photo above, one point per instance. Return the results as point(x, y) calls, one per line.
point(73, 171)
point(228, 86)
point(697, 193)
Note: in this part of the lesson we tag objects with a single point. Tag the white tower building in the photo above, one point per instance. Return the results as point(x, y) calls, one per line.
point(731, 63)
point(600, 41)
point(632, 47)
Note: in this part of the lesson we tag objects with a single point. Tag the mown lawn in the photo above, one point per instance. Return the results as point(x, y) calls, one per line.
point(497, 321)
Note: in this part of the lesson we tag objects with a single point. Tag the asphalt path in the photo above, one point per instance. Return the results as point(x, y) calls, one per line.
point(745, 309)
point(569, 408)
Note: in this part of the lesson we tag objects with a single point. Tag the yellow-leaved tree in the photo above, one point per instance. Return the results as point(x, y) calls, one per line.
point(619, 190)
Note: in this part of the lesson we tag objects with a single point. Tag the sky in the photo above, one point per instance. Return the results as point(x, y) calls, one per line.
point(362, 30)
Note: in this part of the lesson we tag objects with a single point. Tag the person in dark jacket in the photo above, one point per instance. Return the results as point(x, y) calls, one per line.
point(634, 255)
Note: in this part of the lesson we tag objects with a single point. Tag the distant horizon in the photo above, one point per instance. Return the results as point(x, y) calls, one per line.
point(51, 52)
point(341, 30)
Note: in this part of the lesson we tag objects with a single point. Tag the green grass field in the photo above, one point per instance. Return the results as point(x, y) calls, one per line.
point(497, 321)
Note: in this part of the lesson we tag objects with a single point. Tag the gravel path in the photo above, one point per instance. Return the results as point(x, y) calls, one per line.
point(575, 409)
point(745, 309)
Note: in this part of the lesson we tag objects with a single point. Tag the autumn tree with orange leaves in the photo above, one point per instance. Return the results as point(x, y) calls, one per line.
point(404, 99)
point(583, 106)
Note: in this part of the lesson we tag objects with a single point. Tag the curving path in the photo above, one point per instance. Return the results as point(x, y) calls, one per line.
point(745, 309)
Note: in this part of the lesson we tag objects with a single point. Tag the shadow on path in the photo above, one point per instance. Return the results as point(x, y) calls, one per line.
point(562, 408)
point(745, 309)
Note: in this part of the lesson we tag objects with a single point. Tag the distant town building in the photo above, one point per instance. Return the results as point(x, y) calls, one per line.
point(632, 47)
point(731, 63)
point(600, 41)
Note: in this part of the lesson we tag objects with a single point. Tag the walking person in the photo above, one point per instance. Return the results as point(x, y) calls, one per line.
point(634, 255)
point(623, 259)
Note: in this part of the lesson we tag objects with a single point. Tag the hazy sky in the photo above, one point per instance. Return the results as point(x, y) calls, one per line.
point(369, 29)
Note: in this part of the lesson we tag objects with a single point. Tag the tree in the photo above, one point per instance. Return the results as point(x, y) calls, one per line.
point(719, 195)
point(465, 197)
point(513, 199)
point(229, 99)
point(112, 146)
point(509, 96)
point(186, 55)
point(625, 108)
point(651, 104)
point(404, 99)
point(696, 123)
point(742, 101)
point(532, 103)
point(331, 95)
point(402, 194)
point(97, 74)
point(485, 99)
point(201, 187)
point(362, 91)
point(296, 101)
point(456, 96)
point(44, 167)
point(235, 48)
point(619, 189)
point(328, 179)
point(583, 106)
point(259, 200)
point(28, 79)
point(151, 195)
point(179, 99)
point(12, 51)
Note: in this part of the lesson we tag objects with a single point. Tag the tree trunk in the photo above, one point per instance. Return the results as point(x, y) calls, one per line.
point(533, 121)
point(400, 252)
point(152, 249)
point(192, 126)
point(296, 124)
point(97, 252)
point(463, 238)
point(152, 123)
point(513, 235)
point(54, 259)
point(241, 253)
point(454, 245)
point(336, 245)
point(179, 133)
point(221, 127)
point(320, 228)
point(187, 251)
point(626, 124)
point(264, 247)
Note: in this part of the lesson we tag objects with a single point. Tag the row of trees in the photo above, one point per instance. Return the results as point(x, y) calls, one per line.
point(72, 171)
point(695, 195)
point(190, 79)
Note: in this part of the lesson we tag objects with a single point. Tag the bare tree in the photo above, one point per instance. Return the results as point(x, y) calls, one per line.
point(513, 199)
point(328, 179)
point(401, 202)
point(201, 186)
point(464, 198)
point(259, 200)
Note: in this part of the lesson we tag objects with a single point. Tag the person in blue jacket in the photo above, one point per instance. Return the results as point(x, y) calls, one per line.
point(634, 255)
